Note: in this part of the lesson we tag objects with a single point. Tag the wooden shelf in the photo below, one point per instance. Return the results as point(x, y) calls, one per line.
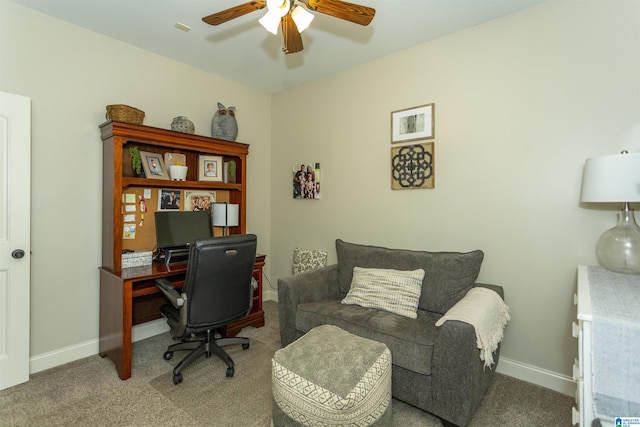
point(195, 185)
point(172, 140)
point(119, 178)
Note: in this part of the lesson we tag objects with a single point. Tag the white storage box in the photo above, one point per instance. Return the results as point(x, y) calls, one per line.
point(136, 258)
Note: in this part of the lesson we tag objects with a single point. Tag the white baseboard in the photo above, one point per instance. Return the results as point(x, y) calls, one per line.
point(44, 361)
point(542, 377)
point(89, 348)
point(522, 371)
point(269, 294)
point(149, 329)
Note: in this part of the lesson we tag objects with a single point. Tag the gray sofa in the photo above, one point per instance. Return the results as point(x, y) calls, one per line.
point(437, 369)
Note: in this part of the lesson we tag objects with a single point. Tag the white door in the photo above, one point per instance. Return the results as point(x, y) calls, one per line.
point(15, 215)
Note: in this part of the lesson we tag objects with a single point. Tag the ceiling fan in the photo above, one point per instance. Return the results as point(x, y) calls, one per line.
point(293, 18)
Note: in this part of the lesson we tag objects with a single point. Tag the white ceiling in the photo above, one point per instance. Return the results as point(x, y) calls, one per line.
point(241, 50)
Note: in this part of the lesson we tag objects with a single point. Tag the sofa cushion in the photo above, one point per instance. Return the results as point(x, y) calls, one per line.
point(410, 340)
point(448, 275)
point(387, 289)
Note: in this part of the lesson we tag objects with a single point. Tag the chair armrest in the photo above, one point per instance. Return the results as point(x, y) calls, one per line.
point(169, 291)
point(310, 286)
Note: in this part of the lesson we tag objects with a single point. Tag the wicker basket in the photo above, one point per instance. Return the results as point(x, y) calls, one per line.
point(124, 113)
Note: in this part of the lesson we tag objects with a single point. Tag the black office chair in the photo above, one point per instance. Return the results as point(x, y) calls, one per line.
point(217, 291)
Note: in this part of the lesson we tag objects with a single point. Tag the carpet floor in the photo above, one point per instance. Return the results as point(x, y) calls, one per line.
point(88, 392)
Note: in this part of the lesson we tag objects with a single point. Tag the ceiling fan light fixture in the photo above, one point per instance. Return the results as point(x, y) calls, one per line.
point(292, 18)
point(279, 7)
point(301, 17)
point(270, 21)
point(276, 9)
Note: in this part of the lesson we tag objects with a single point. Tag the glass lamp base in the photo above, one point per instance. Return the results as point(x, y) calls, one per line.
point(618, 249)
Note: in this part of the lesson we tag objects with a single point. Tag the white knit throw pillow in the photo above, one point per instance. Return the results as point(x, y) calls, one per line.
point(391, 290)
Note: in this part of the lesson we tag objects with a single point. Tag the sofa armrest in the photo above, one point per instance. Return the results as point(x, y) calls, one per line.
point(459, 377)
point(310, 286)
point(496, 288)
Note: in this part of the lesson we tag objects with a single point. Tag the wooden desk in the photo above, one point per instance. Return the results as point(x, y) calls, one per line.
point(129, 297)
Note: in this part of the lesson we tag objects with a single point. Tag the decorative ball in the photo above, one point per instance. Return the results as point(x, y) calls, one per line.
point(182, 124)
point(224, 125)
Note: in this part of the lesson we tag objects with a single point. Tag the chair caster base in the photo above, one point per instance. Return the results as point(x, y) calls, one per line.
point(177, 379)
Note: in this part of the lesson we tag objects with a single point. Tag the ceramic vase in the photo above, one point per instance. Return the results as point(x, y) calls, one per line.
point(182, 124)
point(178, 173)
point(224, 124)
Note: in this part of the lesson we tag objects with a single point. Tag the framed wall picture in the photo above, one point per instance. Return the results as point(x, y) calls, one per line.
point(153, 165)
point(210, 168)
point(412, 166)
point(306, 181)
point(413, 123)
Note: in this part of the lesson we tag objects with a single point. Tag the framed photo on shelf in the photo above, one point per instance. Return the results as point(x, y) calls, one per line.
point(413, 123)
point(198, 200)
point(153, 165)
point(210, 168)
point(169, 200)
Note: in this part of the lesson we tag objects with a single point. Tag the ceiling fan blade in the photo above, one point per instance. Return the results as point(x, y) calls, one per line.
point(234, 12)
point(355, 13)
point(292, 38)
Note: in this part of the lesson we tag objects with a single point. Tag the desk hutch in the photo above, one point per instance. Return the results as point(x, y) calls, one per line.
point(128, 296)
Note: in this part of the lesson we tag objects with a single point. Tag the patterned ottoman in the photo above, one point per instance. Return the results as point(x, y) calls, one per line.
point(330, 377)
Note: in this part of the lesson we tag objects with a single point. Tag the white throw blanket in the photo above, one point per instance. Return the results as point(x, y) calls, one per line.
point(487, 312)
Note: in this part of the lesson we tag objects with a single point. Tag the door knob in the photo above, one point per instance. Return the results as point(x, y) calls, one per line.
point(17, 254)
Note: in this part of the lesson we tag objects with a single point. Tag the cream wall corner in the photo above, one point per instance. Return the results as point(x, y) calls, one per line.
point(520, 102)
point(71, 74)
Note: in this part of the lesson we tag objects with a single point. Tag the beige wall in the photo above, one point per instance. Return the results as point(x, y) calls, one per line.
point(520, 103)
point(71, 74)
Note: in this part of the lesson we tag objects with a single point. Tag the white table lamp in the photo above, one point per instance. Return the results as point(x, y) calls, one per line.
point(616, 179)
point(225, 215)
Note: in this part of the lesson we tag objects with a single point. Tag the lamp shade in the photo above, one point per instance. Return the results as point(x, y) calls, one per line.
point(613, 178)
point(276, 9)
point(271, 22)
point(302, 18)
point(225, 214)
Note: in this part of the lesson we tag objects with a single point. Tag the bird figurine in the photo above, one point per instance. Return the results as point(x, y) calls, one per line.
point(224, 124)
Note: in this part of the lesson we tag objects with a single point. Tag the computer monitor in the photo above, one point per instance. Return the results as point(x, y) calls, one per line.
point(175, 229)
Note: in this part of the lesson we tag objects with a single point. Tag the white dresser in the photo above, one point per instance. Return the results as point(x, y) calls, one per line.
point(583, 413)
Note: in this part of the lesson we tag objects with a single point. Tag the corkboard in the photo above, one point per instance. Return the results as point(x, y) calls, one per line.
point(145, 235)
